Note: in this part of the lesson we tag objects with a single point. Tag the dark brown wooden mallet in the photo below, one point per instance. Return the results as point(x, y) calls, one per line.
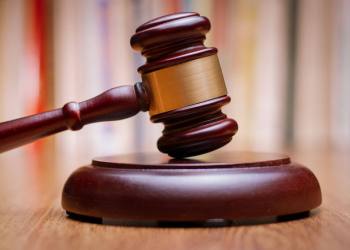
point(182, 87)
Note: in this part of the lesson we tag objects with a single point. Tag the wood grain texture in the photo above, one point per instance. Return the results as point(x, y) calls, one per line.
point(31, 216)
point(195, 129)
point(172, 39)
point(114, 104)
point(194, 124)
point(221, 185)
point(169, 40)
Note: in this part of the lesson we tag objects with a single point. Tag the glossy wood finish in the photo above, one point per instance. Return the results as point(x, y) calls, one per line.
point(196, 129)
point(31, 216)
point(114, 104)
point(174, 39)
point(190, 130)
point(223, 185)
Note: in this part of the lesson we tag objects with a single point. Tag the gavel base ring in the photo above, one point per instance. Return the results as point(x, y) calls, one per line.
point(220, 185)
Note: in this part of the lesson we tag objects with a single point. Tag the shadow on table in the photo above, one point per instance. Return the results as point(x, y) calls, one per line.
point(194, 224)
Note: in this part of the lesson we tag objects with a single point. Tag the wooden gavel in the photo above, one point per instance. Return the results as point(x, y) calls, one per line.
point(182, 86)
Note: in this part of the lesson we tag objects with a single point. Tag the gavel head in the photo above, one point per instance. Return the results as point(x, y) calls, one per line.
point(185, 84)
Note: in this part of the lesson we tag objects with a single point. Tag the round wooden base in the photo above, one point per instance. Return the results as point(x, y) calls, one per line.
point(220, 185)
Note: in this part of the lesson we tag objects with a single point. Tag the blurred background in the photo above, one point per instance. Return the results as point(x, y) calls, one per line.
point(285, 62)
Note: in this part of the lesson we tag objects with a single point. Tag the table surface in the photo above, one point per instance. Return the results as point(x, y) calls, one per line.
point(31, 215)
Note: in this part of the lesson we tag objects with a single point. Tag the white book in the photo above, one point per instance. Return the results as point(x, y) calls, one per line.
point(269, 101)
point(340, 76)
point(13, 83)
point(68, 57)
point(311, 127)
point(12, 61)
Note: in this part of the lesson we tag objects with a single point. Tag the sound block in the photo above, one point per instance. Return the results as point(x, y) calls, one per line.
point(219, 185)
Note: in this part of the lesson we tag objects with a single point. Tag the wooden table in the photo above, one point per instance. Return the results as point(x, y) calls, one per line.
point(31, 215)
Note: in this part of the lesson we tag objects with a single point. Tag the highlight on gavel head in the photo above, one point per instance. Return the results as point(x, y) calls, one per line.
point(185, 84)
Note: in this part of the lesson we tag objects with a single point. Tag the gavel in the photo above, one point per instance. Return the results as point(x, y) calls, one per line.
point(182, 87)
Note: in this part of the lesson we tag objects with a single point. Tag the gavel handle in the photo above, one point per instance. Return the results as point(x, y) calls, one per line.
point(114, 104)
